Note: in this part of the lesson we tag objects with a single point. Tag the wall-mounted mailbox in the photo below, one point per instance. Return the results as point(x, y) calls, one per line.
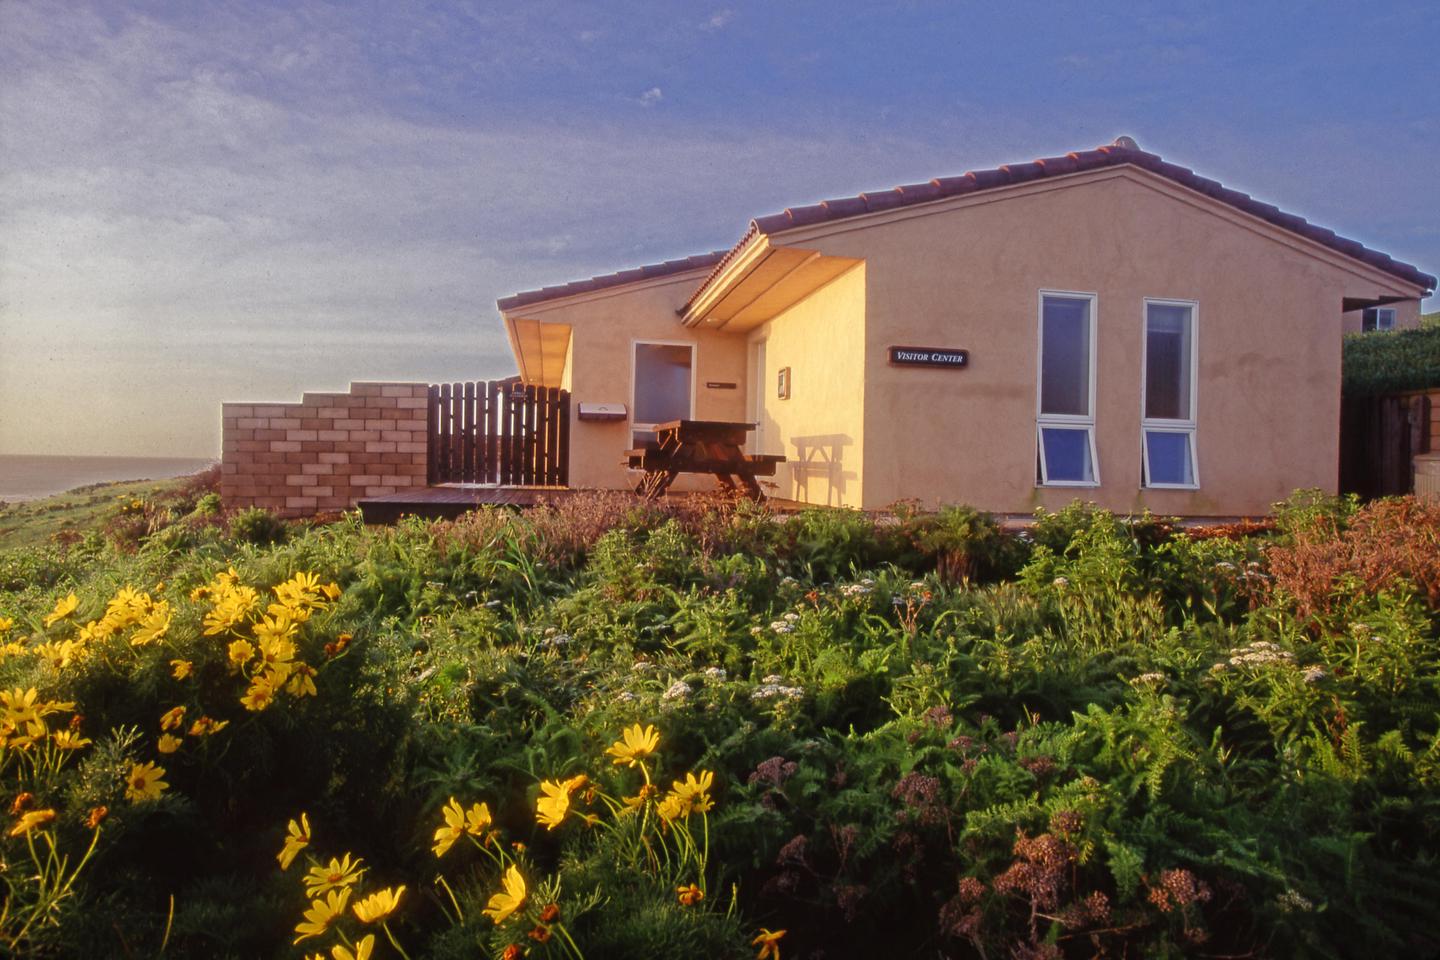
point(602, 411)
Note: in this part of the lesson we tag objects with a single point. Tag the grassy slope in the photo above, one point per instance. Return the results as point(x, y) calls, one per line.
point(1430, 319)
point(82, 509)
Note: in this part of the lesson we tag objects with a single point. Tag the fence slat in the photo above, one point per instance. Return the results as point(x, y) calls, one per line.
point(497, 432)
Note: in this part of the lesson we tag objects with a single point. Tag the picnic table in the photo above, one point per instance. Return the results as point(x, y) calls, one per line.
point(700, 446)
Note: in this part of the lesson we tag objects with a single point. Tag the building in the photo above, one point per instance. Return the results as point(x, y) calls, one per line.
point(1102, 325)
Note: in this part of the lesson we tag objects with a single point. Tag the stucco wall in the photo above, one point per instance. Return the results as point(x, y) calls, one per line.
point(821, 428)
point(604, 328)
point(1269, 325)
point(325, 452)
point(1407, 316)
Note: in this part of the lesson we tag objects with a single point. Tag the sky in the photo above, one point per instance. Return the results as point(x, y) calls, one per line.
point(207, 201)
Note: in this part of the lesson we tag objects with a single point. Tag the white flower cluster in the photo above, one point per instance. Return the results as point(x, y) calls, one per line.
point(555, 642)
point(772, 687)
point(1151, 677)
point(1293, 901)
point(679, 690)
point(785, 624)
point(625, 696)
point(863, 588)
point(1259, 653)
point(1314, 674)
point(715, 674)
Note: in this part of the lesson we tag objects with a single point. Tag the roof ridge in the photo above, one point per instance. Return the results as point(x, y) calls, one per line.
point(1077, 161)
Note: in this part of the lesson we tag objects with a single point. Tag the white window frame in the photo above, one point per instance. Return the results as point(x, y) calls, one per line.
point(636, 427)
point(1384, 319)
point(1187, 426)
point(1043, 420)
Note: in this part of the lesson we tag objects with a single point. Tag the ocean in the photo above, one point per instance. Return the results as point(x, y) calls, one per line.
point(30, 478)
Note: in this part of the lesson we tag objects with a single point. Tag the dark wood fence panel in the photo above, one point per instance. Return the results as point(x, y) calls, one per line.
point(1378, 438)
point(498, 432)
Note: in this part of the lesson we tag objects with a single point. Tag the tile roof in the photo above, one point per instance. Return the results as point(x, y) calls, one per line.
point(648, 272)
point(1077, 162)
point(974, 181)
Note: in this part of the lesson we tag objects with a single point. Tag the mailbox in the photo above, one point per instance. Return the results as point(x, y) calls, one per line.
point(602, 411)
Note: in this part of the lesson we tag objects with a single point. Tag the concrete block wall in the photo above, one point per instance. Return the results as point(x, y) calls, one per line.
point(325, 452)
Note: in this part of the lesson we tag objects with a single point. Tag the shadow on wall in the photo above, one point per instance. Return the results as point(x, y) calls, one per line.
point(817, 470)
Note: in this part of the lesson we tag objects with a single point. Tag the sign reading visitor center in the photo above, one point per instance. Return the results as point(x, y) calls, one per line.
point(929, 357)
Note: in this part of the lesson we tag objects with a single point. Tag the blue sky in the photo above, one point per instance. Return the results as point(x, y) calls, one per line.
point(241, 201)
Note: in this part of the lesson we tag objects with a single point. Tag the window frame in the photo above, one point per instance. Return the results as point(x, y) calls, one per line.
point(1187, 426)
point(1065, 420)
point(1379, 312)
point(635, 342)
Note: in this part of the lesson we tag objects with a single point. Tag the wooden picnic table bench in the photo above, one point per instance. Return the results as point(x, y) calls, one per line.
point(700, 446)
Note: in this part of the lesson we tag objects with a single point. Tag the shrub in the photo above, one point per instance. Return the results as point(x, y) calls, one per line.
point(258, 526)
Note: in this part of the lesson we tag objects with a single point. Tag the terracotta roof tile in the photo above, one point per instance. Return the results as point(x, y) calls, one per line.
point(942, 187)
point(647, 272)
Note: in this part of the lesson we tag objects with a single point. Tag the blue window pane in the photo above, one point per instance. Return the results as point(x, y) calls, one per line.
point(1169, 457)
point(1067, 455)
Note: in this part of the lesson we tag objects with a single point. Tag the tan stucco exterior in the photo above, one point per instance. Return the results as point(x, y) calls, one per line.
point(967, 272)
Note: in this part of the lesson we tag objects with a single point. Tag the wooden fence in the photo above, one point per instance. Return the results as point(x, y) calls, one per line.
point(499, 432)
point(1378, 438)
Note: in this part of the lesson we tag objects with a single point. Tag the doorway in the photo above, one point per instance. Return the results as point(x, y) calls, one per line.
point(664, 387)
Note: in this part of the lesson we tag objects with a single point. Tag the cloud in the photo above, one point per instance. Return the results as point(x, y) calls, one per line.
point(651, 97)
point(718, 20)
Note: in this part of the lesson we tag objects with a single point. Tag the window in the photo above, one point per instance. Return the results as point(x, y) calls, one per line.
point(663, 389)
point(1065, 422)
point(1378, 318)
point(1167, 423)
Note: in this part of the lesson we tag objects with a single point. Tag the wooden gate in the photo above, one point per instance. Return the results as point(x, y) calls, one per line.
point(1378, 437)
point(499, 432)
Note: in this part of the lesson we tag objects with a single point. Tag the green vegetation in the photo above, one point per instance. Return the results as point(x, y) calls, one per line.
point(613, 729)
point(1391, 361)
point(1430, 319)
point(68, 516)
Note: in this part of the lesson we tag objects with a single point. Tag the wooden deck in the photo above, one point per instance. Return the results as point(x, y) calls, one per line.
point(447, 502)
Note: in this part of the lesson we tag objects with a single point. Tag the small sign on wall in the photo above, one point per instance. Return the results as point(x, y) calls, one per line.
point(929, 357)
point(782, 384)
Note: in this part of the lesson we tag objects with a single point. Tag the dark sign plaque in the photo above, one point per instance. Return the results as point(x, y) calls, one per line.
point(929, 357)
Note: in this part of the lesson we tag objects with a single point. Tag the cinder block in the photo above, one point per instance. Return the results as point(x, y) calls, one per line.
point(334, 458)
point(411, 447)
point(380, 491)
point(273, 410)
point(322, 469)
point(395, 390)
point(252, 423)
point(317, 446)
point(300, 503)
point(285, 446)
point(412, 403)
point(301, 480)
point(379, 446)
point(364, 434)
point(351, 423)
point(332, 435)
point(301, 435)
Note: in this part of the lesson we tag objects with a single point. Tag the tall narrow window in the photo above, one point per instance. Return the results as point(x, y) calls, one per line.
point(1065, 424)
point(1168, 419)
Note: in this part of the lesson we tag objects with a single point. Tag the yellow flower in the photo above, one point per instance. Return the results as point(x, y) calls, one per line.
point(144, 782)
point(172, 718)
point(153, 626)
point(689, 895)
point(769, 943)
point(240, 652)
point(58, 654)
point(31, 820)
point(378, 905)
point(687, 797)
point(302, 681)
point(6, 623)
point(281, 627)
point(509, 900)
point(636, 744)
point(321, 913)
point(232, 604)
point(63, 608)
point(206, 726)
point(363, 949)
point(331, 591)
point(477, 818)
point(297, 838)
point(69, 740)
point(550, 809)
point(260, 695)
point(334, 875)
point(300, 591)
point(453, 829)
point(168, 743)
point(182, 668)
